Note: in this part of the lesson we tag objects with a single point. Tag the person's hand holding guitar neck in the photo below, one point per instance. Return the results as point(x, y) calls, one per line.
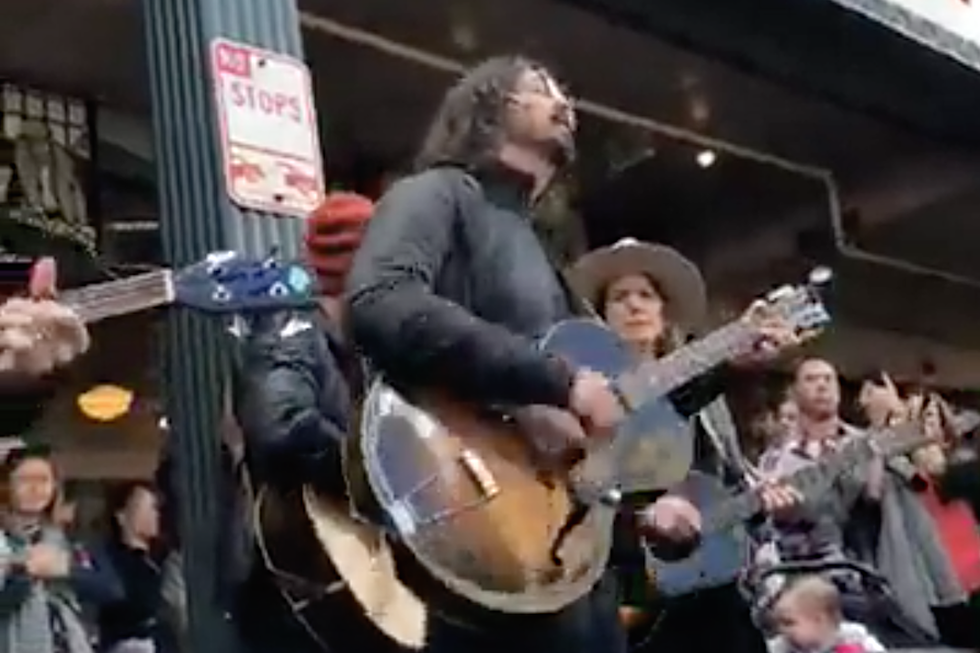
point(38, 334)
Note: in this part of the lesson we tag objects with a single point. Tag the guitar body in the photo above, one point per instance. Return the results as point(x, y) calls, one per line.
point(337, 573)
point(467, 498)
point(654, 446)
point(721, 556)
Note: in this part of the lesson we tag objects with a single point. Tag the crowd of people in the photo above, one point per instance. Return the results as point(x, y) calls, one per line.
point(443, 284)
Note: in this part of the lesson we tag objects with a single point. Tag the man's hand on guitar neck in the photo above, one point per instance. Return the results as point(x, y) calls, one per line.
point(37, 334)
point(775, 336)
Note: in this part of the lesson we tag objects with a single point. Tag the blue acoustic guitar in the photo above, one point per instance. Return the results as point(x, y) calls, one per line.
point(496, 521)
point(724, 551)
point(224, 283)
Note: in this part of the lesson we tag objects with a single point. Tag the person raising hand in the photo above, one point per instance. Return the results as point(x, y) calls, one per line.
point(37, 333)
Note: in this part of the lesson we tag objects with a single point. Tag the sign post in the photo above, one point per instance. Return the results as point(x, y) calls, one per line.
point(236, 152)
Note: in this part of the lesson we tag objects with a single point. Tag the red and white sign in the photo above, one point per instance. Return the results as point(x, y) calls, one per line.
point(269, 130)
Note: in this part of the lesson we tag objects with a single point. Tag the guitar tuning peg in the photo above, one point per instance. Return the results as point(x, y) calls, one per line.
point(820, 275)
point(272, 260)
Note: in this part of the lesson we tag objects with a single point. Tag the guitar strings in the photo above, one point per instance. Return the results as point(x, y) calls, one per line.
point(114, 288)
point(101, 300)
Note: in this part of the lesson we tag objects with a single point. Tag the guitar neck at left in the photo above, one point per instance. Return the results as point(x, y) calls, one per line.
point(121, 296)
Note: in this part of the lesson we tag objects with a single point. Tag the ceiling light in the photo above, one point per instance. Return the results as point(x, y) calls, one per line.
point(105, 403)
point(706, 158)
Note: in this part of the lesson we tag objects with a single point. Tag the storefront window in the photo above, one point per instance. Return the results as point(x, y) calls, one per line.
point(45, 154)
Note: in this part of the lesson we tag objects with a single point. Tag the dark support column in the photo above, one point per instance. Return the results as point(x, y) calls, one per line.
point(197, 217)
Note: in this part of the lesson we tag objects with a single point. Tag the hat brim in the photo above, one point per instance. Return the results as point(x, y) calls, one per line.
point(676, 278)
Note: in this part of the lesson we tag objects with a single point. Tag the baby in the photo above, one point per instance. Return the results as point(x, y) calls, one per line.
point(809, 620)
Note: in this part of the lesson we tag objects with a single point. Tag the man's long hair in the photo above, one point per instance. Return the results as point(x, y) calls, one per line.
point(469, 126)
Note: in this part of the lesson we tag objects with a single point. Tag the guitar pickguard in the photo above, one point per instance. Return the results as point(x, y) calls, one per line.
point(654, 448)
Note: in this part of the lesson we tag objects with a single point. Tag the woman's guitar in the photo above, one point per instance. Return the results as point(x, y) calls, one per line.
point(724, 550)
point(491, 529)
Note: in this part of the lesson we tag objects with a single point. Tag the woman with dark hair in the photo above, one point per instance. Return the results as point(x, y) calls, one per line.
point(451, 286)
point(44, 576)
point(133, 623)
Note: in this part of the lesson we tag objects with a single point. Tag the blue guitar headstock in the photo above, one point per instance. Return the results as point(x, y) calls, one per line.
point(226, 282)
point(801, 305)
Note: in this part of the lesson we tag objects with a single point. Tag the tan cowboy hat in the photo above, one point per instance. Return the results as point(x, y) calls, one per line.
point(677, 278)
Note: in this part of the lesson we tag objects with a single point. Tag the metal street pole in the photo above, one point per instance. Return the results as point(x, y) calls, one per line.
point(197, 216)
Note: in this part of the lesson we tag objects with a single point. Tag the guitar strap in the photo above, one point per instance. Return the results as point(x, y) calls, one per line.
point(718, 424)
point(299, 593)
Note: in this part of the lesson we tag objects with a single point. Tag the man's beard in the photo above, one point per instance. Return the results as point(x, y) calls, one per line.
point(560, 152)
point(557, 152)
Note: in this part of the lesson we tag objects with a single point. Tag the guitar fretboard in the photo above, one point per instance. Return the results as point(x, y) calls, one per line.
point(121, 296)
point(664, 375)
point(813, 480)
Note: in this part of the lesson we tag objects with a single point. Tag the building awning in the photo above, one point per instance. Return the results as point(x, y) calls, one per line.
point(866, 55)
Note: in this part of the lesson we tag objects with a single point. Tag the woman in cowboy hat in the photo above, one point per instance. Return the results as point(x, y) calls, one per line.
point(655, 299)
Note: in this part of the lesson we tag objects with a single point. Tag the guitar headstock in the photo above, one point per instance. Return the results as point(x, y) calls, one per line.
point(802, 305)
point(909, 436)
point(226, 282)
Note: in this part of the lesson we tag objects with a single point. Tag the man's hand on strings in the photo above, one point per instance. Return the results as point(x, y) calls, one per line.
point(778, 498)
point(594, 402)
point(38, 334)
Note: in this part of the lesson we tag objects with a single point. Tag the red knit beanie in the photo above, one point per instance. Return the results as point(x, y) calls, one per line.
point(333, 234)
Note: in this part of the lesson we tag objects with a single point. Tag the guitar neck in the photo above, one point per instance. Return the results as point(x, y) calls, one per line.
point(664, 375)
point(121, 296)
point(813, 480)
point(810, 481)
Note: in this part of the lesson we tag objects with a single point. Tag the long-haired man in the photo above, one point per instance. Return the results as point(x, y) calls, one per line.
point(451, 285)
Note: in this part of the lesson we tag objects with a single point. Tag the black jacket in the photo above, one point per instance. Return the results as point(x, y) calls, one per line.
point(451, 283)
point(292, 400)
point(136, 613)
